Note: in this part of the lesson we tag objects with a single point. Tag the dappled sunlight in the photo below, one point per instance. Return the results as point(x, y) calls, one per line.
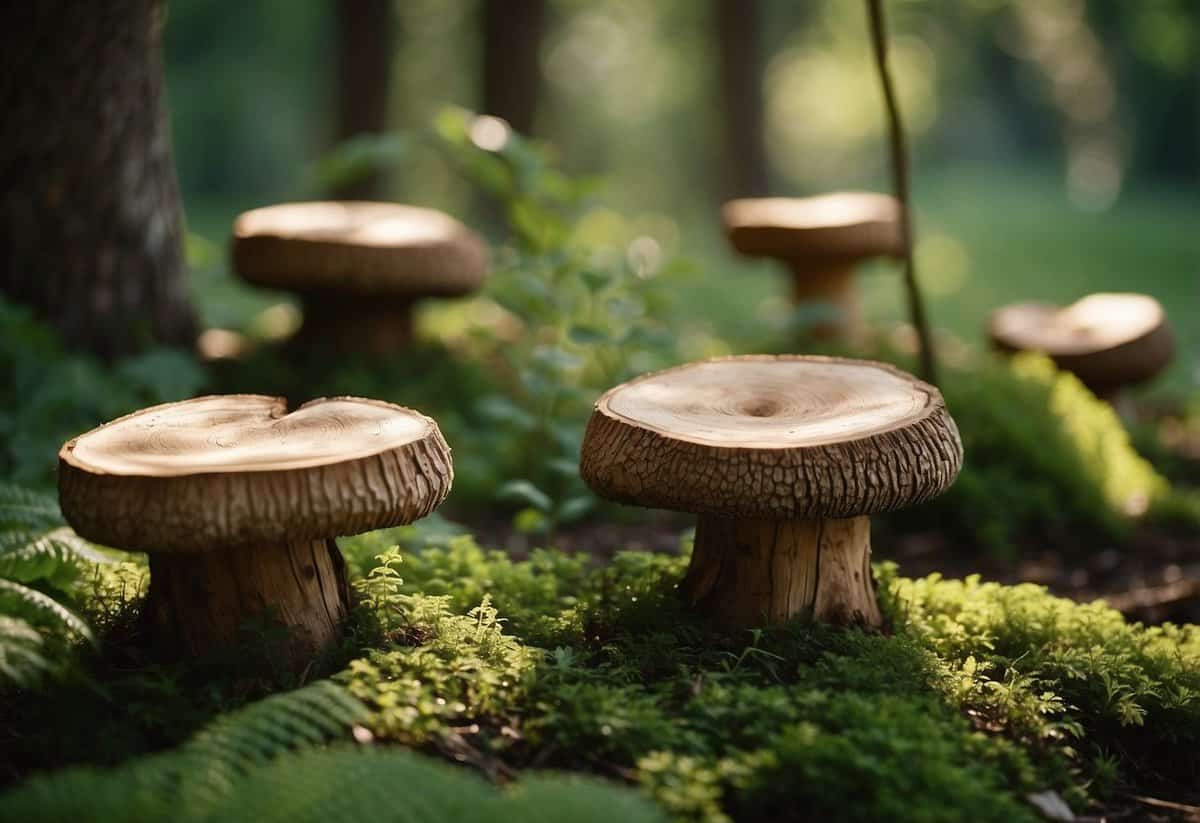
point(898, 296)
point(1054, 36)
point(489, 133)
point(275, 323)
point(944, 262)
point(823, 121)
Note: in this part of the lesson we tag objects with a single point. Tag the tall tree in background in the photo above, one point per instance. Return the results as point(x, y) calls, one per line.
point(90, 221)
point(512, 38)
point(365, 41)
point(739, 41)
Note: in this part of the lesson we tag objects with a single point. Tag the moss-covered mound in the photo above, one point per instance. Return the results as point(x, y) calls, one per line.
point(982, 696)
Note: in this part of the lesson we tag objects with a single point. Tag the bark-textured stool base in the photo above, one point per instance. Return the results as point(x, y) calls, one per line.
point(832, 283)
point(200, 603)
point(755, 571)
point(348, 324)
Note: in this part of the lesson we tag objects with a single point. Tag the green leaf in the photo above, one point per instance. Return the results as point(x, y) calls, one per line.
point(588, 335)
point(531, 521)
point(523, 491)
point(595, 279)
point(500, 409)
point(575, 509)
point(46, 605)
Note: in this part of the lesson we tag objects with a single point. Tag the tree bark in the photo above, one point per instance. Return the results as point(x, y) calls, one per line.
point(365, 43)
point(739, 42)
point(90, 222)
point(209, 602)
point(758, 571)
point(512, 37)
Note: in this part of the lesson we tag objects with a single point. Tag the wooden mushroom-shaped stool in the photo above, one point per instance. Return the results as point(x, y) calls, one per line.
point(1109, 340)
point(237, 502)
point(783, 459)
point(821, 239)
point(358, 267)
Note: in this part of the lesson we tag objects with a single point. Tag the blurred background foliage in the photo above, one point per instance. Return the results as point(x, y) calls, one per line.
point(1057, 142)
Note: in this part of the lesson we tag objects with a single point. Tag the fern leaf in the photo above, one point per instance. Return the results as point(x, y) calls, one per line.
point(184, 783)
point(42, 604)
point(56, 554)
point(21, 660)
point(21, 507)
point(213, 779)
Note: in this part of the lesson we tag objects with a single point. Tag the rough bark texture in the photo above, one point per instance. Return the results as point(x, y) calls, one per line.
point(870, 463)
point(740, 54)
point(1108, 341)
point(849, 226)
point(358, 248)
point(752, 572)
point(345, 323)
point(365, 43)
point(230, 471)
point(205, 603)
point(512, 39)
point(90, 222)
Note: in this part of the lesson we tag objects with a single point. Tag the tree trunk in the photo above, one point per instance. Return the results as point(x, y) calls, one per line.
point(365, 41)
point(512, 37)
point(203, 603)
point(90, 222)
point(740, 52)
point(757, 571)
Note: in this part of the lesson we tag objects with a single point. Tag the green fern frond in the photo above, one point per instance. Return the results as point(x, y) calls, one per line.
point(24, 508)
point(550, 798)
point(185, 782)
point(262, 764)
point(398, 785)
point(21, 660)
point(55, 554)
point(31, 601)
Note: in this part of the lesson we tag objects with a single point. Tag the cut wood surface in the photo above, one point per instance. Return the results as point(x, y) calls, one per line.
point(1095, 323)
point(788, 436)
point(217, 472)
point(844, 225)
point(1108, 340)
point(783, 458)
point(358, 247)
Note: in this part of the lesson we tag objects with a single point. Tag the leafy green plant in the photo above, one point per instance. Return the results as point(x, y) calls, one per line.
point(1042, 456)
point(41, 560)
point(262, 763)
point(446, 671)
point(996, 691)
point(983, 695)
point(51, 395)
point(569, 316)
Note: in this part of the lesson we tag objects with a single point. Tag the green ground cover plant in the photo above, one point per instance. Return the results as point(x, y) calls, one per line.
point(1045, 461)
point(980, 696)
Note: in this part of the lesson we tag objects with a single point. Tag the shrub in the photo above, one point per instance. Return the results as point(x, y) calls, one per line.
point(1042, 457)
point(51, 395)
